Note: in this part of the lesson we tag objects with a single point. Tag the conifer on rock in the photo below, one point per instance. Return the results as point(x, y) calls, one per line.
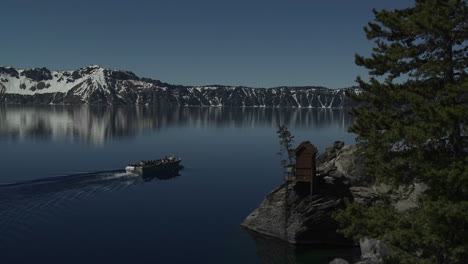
point(412, 127)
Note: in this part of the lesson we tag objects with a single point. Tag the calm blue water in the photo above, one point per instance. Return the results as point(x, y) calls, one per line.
point(64, 197)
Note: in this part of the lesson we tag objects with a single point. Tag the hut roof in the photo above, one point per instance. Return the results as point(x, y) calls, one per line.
point(305, 145)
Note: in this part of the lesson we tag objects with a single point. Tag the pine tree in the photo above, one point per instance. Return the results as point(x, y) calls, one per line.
point(286, 144)
point(412, 128)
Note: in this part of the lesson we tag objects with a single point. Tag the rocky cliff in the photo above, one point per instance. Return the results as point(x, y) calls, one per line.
point(99, 86)
point(291, 214)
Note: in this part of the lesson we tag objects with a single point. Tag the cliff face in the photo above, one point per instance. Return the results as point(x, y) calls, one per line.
point(97, 85)
point(291, 214)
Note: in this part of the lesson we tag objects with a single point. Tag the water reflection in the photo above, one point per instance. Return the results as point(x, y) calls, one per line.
point(73, 211)
point(99, 124)
point(274, 251)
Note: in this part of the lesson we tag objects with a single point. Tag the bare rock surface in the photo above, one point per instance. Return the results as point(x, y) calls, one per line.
point(290, 213)
point(373, 251)
point(339, 261)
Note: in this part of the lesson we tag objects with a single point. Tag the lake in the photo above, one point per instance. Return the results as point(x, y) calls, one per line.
point(65, 198)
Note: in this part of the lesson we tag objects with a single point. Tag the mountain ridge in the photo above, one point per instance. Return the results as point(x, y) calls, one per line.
point(98, 85)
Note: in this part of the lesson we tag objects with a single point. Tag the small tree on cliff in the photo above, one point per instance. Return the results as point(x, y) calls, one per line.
point(286, 144)
point(412, 128)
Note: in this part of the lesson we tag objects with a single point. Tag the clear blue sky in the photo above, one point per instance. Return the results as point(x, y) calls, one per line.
point(194, 42)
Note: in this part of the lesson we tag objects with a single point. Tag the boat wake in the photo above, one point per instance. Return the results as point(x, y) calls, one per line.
point(41, 198)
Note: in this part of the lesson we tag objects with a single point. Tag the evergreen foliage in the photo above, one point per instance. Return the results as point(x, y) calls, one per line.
point(286, 144)
point(412, 128)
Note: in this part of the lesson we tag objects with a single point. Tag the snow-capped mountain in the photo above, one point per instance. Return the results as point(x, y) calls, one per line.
point(97, 85)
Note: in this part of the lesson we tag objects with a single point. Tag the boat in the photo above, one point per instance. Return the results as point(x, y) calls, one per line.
point(152, 167)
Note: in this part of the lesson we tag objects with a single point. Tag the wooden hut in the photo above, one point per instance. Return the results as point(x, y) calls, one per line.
point(304, 169)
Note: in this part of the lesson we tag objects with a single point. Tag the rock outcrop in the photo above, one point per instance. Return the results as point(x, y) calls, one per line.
point(373, 251)
point(339, 261)
point(291, 214)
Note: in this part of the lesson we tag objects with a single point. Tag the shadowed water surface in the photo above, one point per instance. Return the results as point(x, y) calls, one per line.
point(64, 197)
